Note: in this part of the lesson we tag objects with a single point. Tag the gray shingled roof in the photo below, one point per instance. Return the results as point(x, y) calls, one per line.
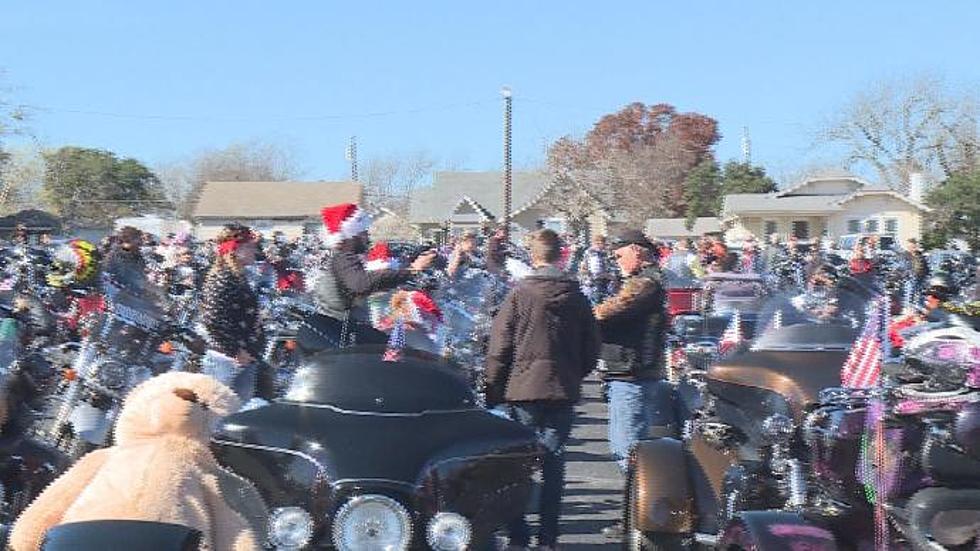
point(272, 199)
point(674, 227)
point(435, 204)
point(770, 202)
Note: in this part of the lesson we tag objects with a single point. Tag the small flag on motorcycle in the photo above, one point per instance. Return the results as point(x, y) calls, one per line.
point(732, 337)
point(862, 369)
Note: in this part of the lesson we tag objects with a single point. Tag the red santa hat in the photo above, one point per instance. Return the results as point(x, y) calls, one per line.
point(343, 221)
point(379, 257)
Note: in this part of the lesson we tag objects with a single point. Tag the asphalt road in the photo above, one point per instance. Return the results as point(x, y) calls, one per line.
point(593, 487)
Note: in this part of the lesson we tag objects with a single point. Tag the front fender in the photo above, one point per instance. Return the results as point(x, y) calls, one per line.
point(664, 501)
point(775, 531)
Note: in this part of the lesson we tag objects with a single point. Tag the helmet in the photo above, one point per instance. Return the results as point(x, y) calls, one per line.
point(75, 261)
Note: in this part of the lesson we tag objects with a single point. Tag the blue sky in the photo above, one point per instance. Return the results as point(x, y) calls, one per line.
point(161, 80)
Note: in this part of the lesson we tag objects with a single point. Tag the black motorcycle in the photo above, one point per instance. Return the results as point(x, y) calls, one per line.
point(363, 453)
point(118, 353)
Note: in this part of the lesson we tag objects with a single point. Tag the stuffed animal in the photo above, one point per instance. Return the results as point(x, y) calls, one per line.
point(160, 469)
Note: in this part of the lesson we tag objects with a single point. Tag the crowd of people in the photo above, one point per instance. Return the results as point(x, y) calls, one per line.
point(528, 319)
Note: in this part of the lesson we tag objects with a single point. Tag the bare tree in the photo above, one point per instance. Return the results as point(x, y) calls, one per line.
point(252, 161)
point(390, 180)
point(23, 175)
point(902, 127)
point(13, 118)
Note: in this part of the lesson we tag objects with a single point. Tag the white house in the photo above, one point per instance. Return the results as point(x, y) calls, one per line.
point(829, 205)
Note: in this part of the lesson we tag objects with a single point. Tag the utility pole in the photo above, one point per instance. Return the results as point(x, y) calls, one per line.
point(508, 184)
point(746, 146)
point(352, 157)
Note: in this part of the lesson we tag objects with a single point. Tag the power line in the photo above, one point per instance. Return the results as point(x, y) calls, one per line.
point(248, 118)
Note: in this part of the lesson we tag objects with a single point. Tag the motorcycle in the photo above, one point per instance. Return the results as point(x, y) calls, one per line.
point(898, 466)
point(115, 355)
point(695, 334)
point(284, 315)
point(363, 453)
point(26, 466)
point(738, 450)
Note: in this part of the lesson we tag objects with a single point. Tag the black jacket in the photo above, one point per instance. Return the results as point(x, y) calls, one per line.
point(230, 312)
point(633, 325)
point(544, 341)
point(343, 284)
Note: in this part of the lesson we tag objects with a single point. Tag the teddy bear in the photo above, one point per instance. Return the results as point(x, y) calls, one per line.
point(160, 469)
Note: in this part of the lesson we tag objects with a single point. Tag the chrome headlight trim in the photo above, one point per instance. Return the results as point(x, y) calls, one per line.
point(290, 528)
point(402, 517)
point(446, 527)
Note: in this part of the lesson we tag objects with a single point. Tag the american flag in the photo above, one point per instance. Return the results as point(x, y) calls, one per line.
point(732, 337)
point(862, 369)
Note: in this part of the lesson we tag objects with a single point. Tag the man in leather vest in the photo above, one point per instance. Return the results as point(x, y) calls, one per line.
point(343, 284)
point(633, 324)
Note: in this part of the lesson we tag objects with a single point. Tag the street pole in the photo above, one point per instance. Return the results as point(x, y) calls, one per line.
point(508, 184)
point(352, 157)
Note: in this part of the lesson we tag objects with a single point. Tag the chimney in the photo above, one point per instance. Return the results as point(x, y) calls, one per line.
point(917, 185)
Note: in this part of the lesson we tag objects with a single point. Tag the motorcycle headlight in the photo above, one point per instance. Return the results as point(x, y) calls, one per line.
point(449, 532)
point(290, 528)
point(372, 522)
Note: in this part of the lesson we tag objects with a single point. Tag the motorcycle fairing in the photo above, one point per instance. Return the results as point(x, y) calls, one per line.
point(377, 446)
point(798, 377)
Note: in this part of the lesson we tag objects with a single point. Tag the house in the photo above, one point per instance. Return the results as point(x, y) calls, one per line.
point(155, 225)
point(829, 205)
point(388, 225)
point(674, 229)
point(292, 208)
point(34, 222)
point(466, 201)
point(458, 202)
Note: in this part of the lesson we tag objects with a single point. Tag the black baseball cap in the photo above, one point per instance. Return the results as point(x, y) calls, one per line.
point(633, 237)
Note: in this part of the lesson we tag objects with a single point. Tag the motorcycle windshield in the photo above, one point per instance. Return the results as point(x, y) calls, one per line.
point(358, 379)
point(820, 318)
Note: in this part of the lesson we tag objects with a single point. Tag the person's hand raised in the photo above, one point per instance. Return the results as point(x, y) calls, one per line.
point(423, 261)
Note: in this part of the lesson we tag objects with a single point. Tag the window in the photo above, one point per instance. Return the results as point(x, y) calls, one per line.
point(871, 225)
point(801, 229)
point(854, 226)
point(769, 227)
point(891, 225)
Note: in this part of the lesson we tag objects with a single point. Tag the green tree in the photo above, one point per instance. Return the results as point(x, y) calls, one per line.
point(744, 178)
point(702, 191)
point(93, 186)
point(955, 211)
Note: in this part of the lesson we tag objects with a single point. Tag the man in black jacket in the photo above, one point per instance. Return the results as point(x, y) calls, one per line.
point(544, 341)
point(343, 284)
point(633, 325)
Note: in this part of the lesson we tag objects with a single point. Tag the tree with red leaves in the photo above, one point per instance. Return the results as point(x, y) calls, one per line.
point(633, 162)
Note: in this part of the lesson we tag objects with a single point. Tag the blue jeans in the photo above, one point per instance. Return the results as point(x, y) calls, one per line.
point(552, 421)
point(636, 407)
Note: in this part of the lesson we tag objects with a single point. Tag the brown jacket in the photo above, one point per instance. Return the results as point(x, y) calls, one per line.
point(544, 341)
point(633, 325)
